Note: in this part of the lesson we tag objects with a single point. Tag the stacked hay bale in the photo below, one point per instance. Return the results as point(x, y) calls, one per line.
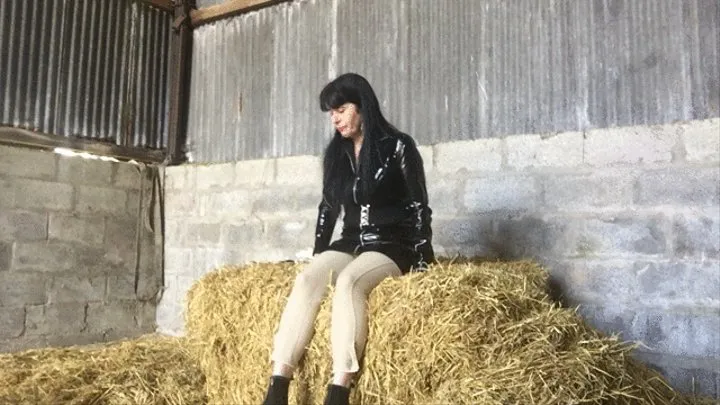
point(471, 333)
point(463, 333)
point(152, 370)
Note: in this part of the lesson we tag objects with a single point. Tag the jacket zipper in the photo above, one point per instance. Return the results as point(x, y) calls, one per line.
point(357, 178)
point(355, 183)
point(355, 190)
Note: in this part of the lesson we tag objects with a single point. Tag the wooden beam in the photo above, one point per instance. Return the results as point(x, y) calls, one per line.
point(166, 5)
point(227, 9)
point(23, 137)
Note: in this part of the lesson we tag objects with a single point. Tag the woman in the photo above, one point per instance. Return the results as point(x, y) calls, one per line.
point(376, 174)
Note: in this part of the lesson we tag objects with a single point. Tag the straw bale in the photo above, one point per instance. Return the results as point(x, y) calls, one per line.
point(462, 333)
point(151, 370)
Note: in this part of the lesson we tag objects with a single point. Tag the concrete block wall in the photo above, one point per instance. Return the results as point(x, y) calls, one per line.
point(626, 220)
point(78, 262)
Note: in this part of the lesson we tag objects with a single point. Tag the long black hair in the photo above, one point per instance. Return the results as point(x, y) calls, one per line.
point(353, 88)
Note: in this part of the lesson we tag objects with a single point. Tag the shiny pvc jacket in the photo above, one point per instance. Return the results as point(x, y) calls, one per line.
point(396, 218)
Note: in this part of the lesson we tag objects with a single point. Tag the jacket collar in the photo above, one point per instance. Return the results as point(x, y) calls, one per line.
point(350, 151)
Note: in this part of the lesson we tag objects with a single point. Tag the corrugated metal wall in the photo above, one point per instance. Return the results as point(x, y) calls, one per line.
point(207, 3)
point(254, 83)
point(85, 68)
point(452, 69)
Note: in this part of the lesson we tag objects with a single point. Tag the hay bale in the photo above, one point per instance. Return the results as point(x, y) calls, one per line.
point(464, 333)
point(152, 370)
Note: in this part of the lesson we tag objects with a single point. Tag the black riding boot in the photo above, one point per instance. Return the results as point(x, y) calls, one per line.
point(337, 395)
point(277, 393)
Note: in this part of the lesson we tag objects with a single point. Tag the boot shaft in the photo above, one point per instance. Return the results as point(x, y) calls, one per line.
point(337, 395)
point(277, 391)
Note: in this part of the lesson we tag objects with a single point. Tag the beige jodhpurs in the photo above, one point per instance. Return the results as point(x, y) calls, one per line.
point(354, 279)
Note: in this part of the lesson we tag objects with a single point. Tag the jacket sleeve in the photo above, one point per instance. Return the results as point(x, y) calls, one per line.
point(411, 166)
point(326, 219)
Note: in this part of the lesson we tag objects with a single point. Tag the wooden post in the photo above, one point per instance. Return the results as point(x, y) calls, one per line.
point(180, 65)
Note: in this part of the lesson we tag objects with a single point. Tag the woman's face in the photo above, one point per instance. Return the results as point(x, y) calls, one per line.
point(346, 119)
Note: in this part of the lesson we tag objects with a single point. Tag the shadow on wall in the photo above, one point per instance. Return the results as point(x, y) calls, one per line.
point(595, 256)
point(528, 238)
point(505, 237)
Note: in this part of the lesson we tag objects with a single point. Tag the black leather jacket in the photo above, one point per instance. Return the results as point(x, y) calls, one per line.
point(395, 221)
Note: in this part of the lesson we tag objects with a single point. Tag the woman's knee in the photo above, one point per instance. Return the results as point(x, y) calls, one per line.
point(363, 280)
point(309, 284)
point(346, 282)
